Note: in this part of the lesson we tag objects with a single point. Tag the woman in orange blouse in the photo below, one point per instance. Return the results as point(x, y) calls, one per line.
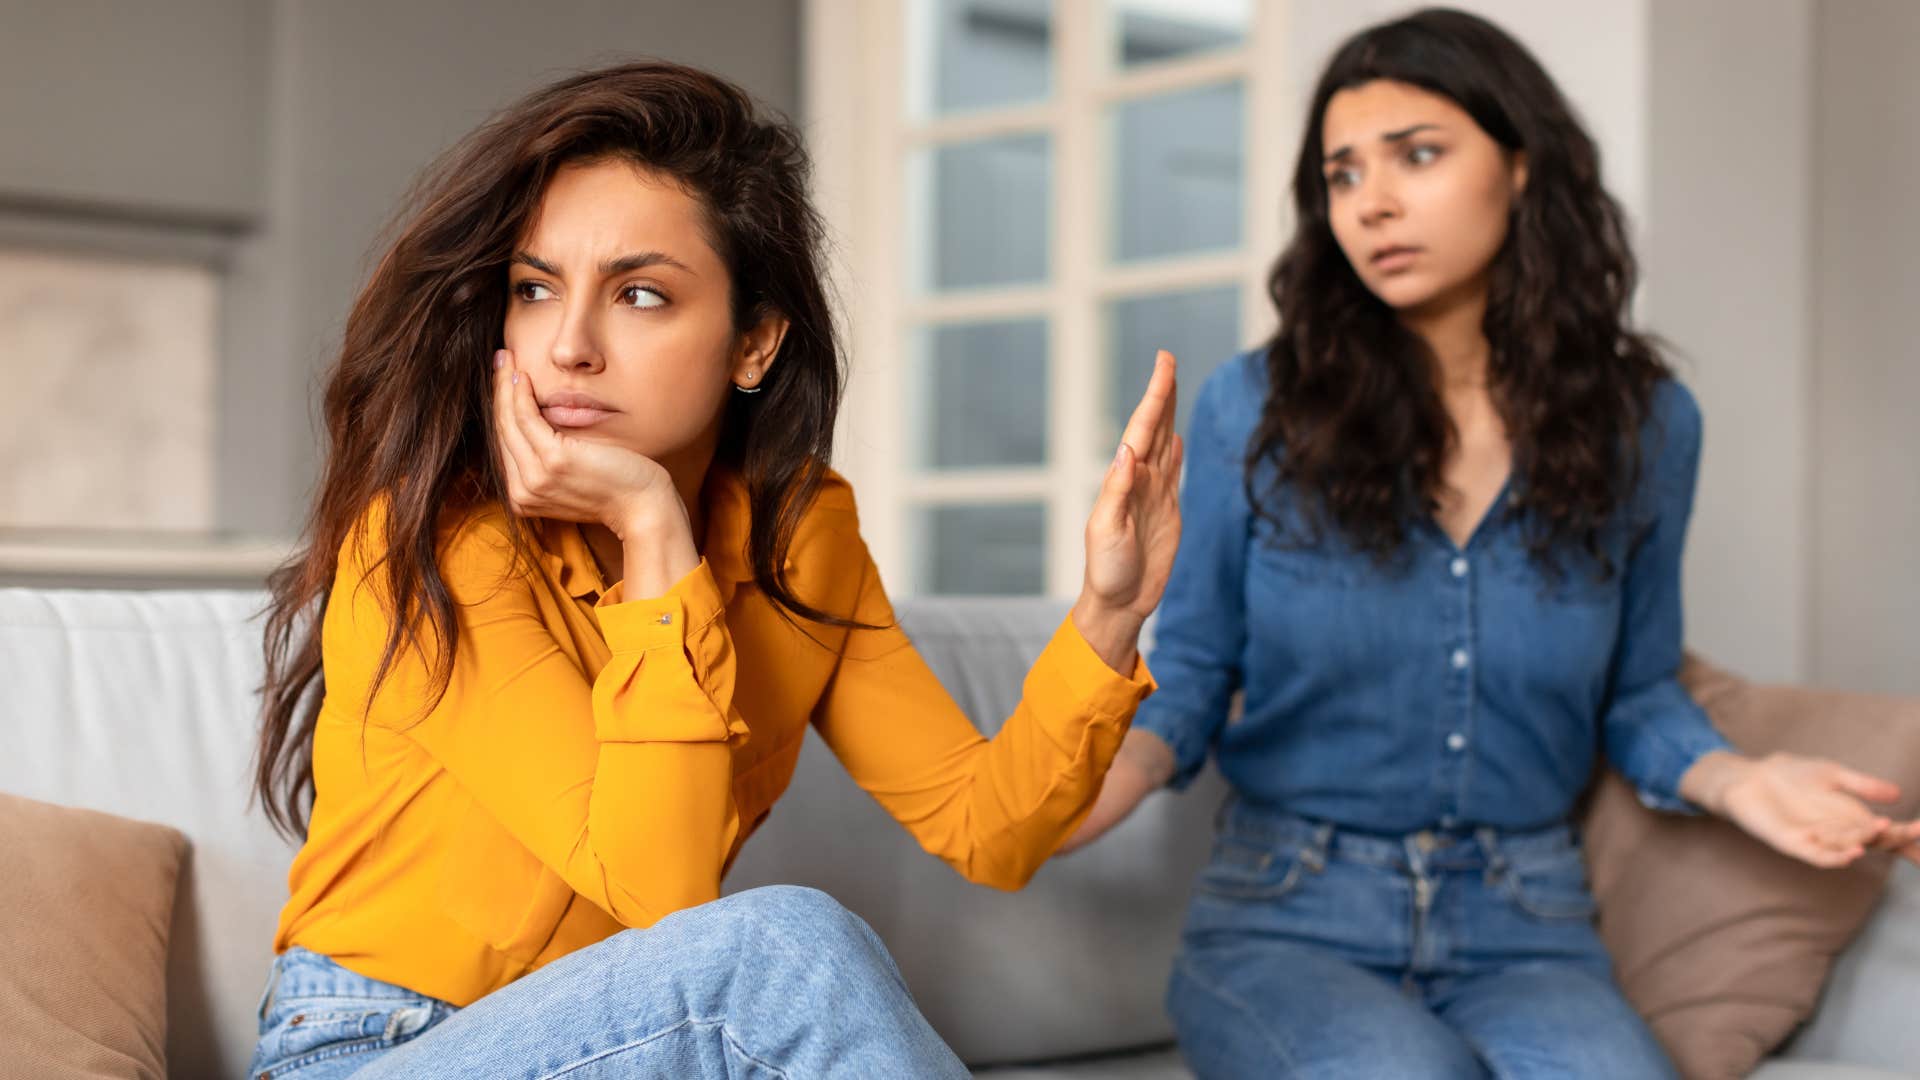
point(569, 605)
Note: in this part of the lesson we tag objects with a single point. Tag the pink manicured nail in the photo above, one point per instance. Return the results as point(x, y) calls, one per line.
point(516, 378)
point(499, 358)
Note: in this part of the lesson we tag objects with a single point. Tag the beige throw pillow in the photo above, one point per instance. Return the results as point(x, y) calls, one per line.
point(1719, 941)
point(85, 903)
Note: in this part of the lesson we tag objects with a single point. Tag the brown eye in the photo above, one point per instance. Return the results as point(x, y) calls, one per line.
point(639, 296)
point(531, 291)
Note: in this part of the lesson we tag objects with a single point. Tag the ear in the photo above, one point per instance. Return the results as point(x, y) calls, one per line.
point(1517, 172)
point(758, 348)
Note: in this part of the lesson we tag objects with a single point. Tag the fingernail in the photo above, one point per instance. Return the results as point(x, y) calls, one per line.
point(499, 358)
point(1120, 453)
point(516, 378)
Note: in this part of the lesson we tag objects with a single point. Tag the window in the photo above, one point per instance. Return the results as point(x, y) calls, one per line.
point(1030, 197)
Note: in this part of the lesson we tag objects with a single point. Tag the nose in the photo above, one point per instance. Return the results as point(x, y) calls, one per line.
point(576, 343)
point(1378, 202)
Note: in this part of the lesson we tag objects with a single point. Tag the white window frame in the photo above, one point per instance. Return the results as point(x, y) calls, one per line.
point(861, 135)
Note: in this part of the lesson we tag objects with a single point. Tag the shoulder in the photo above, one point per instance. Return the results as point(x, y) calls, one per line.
point(473, 548)
point(1235, 394)
point(1670, 438)
point(1670, 444)
point(827, 537)
point(1674, 414)
point(1227, 409)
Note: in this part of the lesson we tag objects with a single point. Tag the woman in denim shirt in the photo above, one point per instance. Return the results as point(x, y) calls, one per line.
point(1433, 536)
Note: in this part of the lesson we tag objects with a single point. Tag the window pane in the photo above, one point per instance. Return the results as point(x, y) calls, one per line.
point(1201, 328)
point(978, 54)
point(1149, 31)
point(1177, 164)
point(985, 216)
point(982, 395)
point(986, 549)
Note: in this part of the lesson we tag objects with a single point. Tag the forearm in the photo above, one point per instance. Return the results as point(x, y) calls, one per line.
point(1144, 765)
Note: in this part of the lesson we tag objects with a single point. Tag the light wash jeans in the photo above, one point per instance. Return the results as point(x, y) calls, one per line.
point(1314, 952)
point(779, 982)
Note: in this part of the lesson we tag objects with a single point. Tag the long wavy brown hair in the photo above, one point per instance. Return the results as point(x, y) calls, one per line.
point(406, 405)
point(1353, 418)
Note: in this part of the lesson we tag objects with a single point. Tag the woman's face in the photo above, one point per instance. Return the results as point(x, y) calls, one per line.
point(1417, 194)
point(620, 312)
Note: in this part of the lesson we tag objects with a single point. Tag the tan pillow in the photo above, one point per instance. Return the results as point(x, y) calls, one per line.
point(1719, 941)
point(85, 902)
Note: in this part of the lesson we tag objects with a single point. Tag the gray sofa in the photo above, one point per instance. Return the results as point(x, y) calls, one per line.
point(142, 704)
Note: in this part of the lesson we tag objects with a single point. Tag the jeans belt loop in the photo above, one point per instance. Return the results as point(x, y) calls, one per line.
point(1321, 846)
point(1496, 859)
point(273, 987)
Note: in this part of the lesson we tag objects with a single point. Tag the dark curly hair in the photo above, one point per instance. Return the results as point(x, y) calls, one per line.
point(1353, 418)
point(406, 404)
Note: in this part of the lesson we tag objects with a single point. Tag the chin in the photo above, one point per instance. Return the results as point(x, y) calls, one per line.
point(1403, 293)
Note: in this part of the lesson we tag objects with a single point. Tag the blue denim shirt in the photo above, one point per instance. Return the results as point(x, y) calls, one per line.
point(1459, 687)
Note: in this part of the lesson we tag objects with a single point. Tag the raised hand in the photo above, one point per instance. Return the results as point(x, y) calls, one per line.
point(1134, 528)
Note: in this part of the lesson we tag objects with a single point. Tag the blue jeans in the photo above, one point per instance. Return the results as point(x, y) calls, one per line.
point(770, 983)
point(1310, 951)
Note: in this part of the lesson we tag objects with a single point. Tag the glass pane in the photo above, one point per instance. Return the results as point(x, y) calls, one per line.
point(1177, 165)
point(1149, 31)
point(1201, 327)
point(978, 54)
point(983, 549)
point(982, 395)
point(985, 215)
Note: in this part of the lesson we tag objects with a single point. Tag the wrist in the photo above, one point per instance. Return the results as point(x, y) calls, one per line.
point(647, 516)
point(1114, 633)
point(656, 542)
point(1708, 780)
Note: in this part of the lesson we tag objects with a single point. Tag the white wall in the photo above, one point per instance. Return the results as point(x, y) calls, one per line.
point(1726, 251)
point(1865, 505)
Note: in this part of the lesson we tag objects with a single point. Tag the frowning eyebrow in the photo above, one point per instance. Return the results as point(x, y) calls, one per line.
point(624, 264)
point(1391, 137)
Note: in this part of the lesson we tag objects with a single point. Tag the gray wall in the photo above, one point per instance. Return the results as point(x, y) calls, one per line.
point(274, 138)
point(1865, 504)
point(140, 110)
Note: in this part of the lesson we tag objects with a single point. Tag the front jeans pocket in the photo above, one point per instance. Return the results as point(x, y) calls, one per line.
point(1243, 870)
point(1552, 886)
point(334, 1027)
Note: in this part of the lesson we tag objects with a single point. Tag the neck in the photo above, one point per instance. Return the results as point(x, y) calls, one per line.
point(1453, 328)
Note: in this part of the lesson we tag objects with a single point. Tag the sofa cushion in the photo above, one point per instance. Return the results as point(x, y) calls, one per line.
point(1719, 941)
point(88, 899)
point(144, 704)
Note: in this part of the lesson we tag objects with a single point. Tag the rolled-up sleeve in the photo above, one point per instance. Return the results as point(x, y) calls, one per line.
point(1653, 730)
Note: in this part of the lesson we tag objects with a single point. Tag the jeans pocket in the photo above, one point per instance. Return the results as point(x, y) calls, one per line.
point(1553, 886)
point(335, 1028)
point(1241, 870)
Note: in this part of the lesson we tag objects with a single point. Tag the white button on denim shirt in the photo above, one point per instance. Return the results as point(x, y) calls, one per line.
point(1456, 685)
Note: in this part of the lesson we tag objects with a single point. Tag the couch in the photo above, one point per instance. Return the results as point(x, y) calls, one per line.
point(142, 704)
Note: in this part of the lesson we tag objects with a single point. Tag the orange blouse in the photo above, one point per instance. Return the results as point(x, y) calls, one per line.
point(597, 761)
